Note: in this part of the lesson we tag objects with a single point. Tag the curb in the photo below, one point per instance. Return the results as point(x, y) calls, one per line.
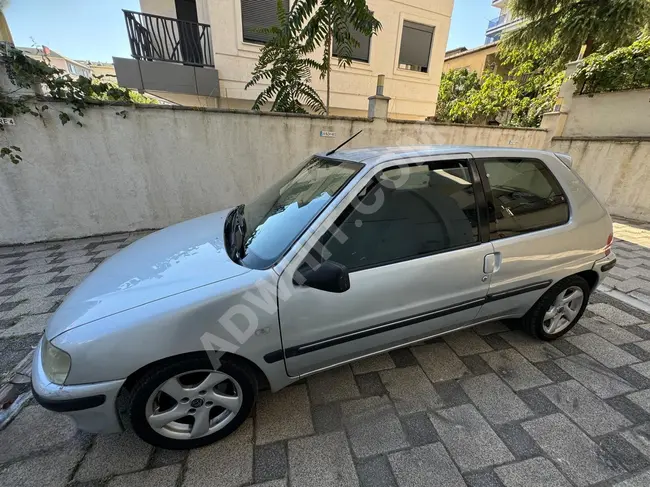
point(6, 415)
point(624, 298)
point(11, 384)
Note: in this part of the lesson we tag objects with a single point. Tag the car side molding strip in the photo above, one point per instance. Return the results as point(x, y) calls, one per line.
point(294, 351)
point(536, 286)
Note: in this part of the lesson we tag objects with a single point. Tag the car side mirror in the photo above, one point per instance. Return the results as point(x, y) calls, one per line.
point(329, 276)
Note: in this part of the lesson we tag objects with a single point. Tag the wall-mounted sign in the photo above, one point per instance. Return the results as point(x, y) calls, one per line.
point(326, 133)
point(7, 121)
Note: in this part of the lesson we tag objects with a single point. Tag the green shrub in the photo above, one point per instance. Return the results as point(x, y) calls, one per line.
point(625, 68)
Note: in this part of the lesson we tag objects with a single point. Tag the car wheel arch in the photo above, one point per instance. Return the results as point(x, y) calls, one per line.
point(591, 277)
point(136, 375)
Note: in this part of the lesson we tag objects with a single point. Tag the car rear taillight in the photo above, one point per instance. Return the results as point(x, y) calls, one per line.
point(608, 246)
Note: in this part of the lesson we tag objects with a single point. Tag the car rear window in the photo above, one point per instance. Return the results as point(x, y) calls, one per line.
point(526, 197)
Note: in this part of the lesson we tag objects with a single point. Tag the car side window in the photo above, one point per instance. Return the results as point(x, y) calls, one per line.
point(406, 212)
point(526, 197)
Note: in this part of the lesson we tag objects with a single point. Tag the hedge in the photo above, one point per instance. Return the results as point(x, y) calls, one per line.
point(623, 69)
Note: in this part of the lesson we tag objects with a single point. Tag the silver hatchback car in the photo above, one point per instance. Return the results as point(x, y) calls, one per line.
point(351, 254)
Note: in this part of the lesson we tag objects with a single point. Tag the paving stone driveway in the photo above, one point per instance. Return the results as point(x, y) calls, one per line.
point(489, 406)
point(632, 272)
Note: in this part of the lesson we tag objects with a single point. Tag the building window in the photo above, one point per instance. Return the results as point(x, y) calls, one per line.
point(360, 53)
point(259, 14)
point(415, 49)
point(78, 70)
point(526, 197)
point(493, 38)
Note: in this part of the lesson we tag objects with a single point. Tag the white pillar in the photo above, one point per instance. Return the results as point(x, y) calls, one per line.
point(378, 103)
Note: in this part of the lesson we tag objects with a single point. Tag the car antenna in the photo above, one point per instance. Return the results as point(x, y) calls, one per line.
point(333, 151)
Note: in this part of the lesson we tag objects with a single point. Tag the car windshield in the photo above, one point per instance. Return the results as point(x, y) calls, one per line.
point(279, 215)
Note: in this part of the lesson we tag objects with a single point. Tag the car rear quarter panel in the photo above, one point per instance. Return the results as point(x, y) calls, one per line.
point(114, 347)
point(554, 253)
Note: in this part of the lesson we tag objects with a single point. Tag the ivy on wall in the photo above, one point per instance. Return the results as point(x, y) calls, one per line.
point(57, 85)
point(625, 68)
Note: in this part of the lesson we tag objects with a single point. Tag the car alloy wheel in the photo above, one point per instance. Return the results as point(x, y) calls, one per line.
point(194, 404)
point(564, 310)
point(558, 309)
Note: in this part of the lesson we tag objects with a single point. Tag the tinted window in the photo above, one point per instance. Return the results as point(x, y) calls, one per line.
point(280, 214)
point(526, 197)
point(429, 209)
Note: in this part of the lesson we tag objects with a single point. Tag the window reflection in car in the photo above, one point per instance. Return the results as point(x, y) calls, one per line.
point(280, 214)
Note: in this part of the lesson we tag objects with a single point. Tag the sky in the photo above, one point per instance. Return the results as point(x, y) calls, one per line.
point(91, 30)
point(94, 29)
point(469, 22)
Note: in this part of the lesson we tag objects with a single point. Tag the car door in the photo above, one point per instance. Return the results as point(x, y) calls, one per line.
point(414, 248)
point(529, 213)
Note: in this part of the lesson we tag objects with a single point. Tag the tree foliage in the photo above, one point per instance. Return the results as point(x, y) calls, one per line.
point(324, 22)
point(564, 26)
point(308, 25)
point(27, 73)
point(319, 19)
point(456, 87)
point(464, 97)
point(536, 56)
point(622, 69)
point(285, 65)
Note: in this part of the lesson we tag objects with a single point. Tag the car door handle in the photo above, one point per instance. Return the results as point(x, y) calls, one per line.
point(492, 263)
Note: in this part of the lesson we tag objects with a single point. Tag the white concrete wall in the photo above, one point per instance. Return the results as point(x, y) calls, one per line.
point(616, 170)
point(162, 165)
point(621, 113)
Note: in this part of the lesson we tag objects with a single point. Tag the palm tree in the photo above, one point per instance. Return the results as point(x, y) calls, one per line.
point(284, 63)
point(567, 25)
point(328, 21)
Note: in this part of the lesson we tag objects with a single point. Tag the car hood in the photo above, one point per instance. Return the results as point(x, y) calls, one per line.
point(179, 258)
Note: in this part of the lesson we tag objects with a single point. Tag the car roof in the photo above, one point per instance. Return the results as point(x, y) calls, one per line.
point(375, 155)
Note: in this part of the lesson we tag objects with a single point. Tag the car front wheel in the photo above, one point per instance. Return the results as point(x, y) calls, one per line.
point(188, 404)
point(559, 309)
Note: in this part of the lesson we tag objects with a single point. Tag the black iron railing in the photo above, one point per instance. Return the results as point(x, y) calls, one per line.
point(157, 38)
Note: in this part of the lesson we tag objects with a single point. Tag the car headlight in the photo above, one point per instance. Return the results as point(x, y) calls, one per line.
point(56, 363)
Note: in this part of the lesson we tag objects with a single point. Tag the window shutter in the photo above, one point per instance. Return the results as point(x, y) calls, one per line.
point(415, 48)
point(361, 53)
point(259, 14)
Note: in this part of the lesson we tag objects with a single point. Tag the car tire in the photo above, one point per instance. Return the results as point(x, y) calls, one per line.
point(185, 386)
point(553, 306)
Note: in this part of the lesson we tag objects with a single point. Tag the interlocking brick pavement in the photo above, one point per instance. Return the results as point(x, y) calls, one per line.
point(485, 407)
point(631, 276)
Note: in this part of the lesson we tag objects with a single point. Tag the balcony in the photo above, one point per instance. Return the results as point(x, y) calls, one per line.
point(500, 20)
point(170, 55)
point(156, 38)
point(502, 23)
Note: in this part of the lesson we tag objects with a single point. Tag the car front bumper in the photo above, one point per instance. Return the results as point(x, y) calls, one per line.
point(92, 406)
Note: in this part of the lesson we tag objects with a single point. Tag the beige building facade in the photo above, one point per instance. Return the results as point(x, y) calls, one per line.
point(57, 60)
point(107, 70)
point(409, 51)
point(478, 59)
